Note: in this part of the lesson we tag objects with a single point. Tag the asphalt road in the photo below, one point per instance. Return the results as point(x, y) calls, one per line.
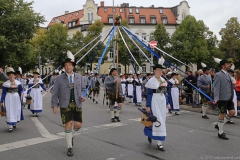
point(189, 137)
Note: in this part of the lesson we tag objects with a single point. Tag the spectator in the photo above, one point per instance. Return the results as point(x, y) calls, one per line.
point(188, 88)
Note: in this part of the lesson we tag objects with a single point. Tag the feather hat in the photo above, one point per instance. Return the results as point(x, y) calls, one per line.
point(19, 71)
point(69, 59)
point(10, 70)
point(160, 64)
point(56, 72)
point(36, 71)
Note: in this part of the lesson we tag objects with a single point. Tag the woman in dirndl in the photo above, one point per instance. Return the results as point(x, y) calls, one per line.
point(173, 93)
point(12, 92)
point(137, 91)
point(157, 106)
point(35, 86)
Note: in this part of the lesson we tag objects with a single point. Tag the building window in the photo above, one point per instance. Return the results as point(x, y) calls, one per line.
point(137, 10)
point(120, 10)
point(111, 55)
point(105, 9)
point(131, 20)
point(114, 10)
point(130, 10)
point(53, 20)
point(153, 20)
point(164, 20)
point(89, 17)
point(70, 15)
point(45, 70)
point(161, 11)
point(151, 36)
point(74, 23)
point(183, 16)
point(69, 25)
point(110, 19)
point(119, 69)
point(76, 14)
point(144, 68)
point(143, 20)
point(92, 18)
point(144, 36)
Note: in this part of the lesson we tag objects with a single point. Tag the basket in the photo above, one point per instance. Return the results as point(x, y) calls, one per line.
point(3, 111)
point(144, 121)
point(28, 100)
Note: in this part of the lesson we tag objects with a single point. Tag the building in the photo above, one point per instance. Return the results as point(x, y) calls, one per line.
point(142, 21)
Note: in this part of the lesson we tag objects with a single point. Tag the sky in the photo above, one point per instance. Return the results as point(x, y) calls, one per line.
point(214, 13)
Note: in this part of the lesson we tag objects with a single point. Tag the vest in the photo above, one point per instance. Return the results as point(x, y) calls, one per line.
point(72, 96)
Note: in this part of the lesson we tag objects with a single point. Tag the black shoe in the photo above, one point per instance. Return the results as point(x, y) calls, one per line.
point(205, 117)
point(169, 111)
point(176, 113)
point(90, 97)
point(14, 126)
point(93, 100)
point(149, 140)
point(96, 102)
point(113, 119)
point(160, 147)
point(70, 152)
point(117, 118)
point(230, 122)
point(222, 136)
point(10, 130)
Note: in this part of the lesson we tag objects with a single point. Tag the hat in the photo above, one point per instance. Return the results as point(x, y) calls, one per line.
point(86, 72)
point(174, 74)
point(230, 71)
point(169, 73)
point(222, 62)
point(69, 59)
point(36, 71)
point(205, 69)
point(10, 70)
point(138, 72)
point(19, 71)
point(56, 72)
point(130, 72)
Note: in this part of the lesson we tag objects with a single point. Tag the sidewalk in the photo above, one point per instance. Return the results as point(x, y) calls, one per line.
point(199, 109)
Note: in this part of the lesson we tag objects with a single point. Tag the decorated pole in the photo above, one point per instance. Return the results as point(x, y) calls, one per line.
point(117, 23)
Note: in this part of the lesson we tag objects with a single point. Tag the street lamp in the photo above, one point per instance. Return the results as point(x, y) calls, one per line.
point(39, 62)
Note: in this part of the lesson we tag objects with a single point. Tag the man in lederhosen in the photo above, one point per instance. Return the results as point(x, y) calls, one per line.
point(111, 82)
point(68, 90)
point(95, 87)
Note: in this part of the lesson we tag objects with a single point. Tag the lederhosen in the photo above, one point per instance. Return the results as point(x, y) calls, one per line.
point(96, 88)
point(72, 112)
point(112, 96)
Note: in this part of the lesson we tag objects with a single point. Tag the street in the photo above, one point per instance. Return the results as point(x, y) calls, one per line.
point(189, 137)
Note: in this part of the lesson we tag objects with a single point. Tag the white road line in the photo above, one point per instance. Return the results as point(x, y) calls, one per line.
point(43, 131)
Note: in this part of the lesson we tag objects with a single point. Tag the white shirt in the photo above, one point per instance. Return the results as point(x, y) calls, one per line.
point(69, 77)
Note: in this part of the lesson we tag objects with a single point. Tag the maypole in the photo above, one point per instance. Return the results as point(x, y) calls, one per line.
point(117, 23)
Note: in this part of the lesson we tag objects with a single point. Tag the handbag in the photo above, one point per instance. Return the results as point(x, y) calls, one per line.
point(28, 100)
point(147, 121)
point(3, 111)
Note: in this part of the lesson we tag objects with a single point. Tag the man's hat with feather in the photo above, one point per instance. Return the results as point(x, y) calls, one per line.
point(36, 71)
point(69, 59)
point(19, 71)
point(160, 64)
point(10, 70)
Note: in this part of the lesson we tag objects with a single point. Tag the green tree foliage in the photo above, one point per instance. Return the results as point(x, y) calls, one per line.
point(230, 43)
point(18, 23)
point(189, 43)
point(162, 37)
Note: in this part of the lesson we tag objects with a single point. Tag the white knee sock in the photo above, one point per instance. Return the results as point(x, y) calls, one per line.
point(112, 112)
point(220, 126)
point(159, 143)
point(68, 135)
point(226, 118)
point(118, 111)
point(74, 131)
point(10, 126)
point(204, 109)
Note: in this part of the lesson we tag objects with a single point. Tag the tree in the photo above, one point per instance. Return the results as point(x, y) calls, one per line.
point(162, 37)
point(189, 43)
point(230, 43)
point(18, 23)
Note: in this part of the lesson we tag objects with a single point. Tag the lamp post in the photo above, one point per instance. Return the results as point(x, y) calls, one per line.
point(39, 62)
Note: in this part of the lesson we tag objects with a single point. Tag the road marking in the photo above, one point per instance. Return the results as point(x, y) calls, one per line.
point(42, 130)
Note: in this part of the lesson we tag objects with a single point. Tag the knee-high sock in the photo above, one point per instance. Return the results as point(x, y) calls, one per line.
point(118, 111)
point(226, 118)
point(159, 143)
point(10, 126)
point(68, 135)
point(204, 109)
point(220, 126)
point(112, 112)
point(74, 131)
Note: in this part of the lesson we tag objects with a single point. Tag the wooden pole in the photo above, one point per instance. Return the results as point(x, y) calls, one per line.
point(117, 85)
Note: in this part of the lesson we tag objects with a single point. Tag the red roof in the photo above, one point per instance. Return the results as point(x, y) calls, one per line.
point(67, 18)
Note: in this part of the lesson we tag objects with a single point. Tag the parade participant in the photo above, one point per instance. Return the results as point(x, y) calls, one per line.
point(237, 86)
point(115, 93)
point(231, 73)
point(123, 84)
point(106, 93)
point(11, 92)
point(68, 90)
point(25, 87)
point(137, 92)
point(17, 75)
point(53, 79)
point(188, 88)
point(173, 93)
point(157, 106)
point(95, 84)
point(90, 89)
point(129, 86)
point(223, 96)
point(204, 83)
point(144, 93)
point(35, 87)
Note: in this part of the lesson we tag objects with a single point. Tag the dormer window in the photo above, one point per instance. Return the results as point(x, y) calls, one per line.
point(105, 9)
point(137, 10)
point(131, 19)
point(164, 20)
point(76, 14)
point(153, 20)
point(70, 15)
point(143, 19)
point(120, 10)
point(114, 10)
point(161, 11)
point(53, 20)
point(130, 10)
